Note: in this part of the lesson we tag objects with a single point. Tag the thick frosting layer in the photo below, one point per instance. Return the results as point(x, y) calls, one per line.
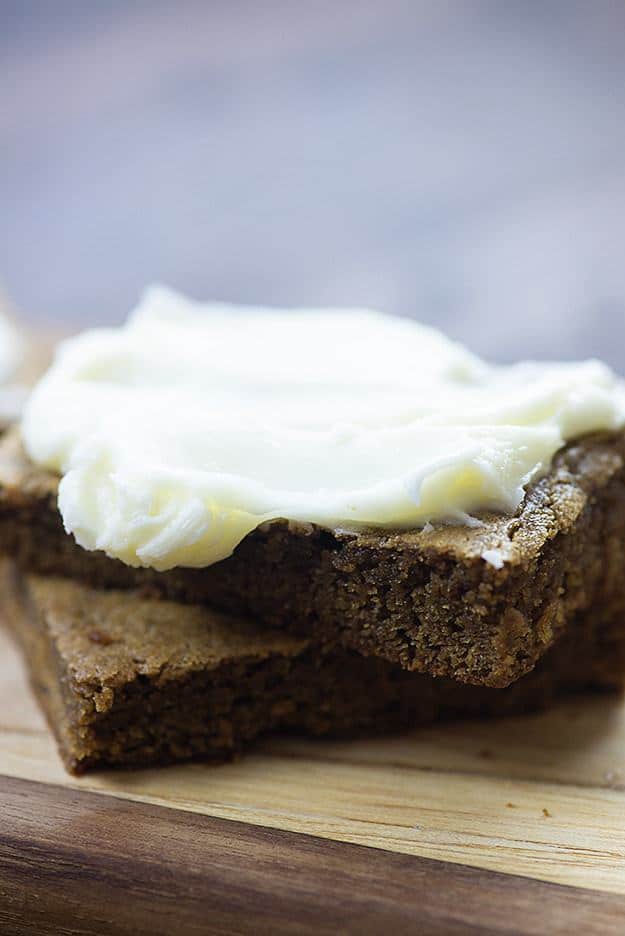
point(179, 433)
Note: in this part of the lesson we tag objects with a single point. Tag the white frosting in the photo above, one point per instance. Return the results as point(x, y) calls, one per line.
point(181, 432)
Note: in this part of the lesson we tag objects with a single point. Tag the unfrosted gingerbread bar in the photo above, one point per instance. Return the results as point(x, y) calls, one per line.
point(127, 681)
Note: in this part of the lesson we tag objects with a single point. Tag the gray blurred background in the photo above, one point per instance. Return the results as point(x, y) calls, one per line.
point(461, 161)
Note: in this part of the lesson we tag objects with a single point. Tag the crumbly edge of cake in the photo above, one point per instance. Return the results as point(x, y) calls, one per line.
point(129, 682)
point(428, 601)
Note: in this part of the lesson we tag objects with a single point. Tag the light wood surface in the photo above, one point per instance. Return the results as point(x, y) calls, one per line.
point(90, 865)
point(542, 796)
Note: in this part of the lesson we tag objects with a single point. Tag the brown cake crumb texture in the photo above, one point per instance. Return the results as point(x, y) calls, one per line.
point(428, 601)
point(129, 681)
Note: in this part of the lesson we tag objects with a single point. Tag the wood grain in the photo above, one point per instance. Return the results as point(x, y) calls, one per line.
point(540, 796)
point(66, 866)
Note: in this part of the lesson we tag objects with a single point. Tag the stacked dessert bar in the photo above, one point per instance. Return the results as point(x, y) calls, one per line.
point(324, 634)
point(317, 629)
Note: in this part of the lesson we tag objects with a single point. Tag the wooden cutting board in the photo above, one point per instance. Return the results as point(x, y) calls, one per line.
point(465, 827)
